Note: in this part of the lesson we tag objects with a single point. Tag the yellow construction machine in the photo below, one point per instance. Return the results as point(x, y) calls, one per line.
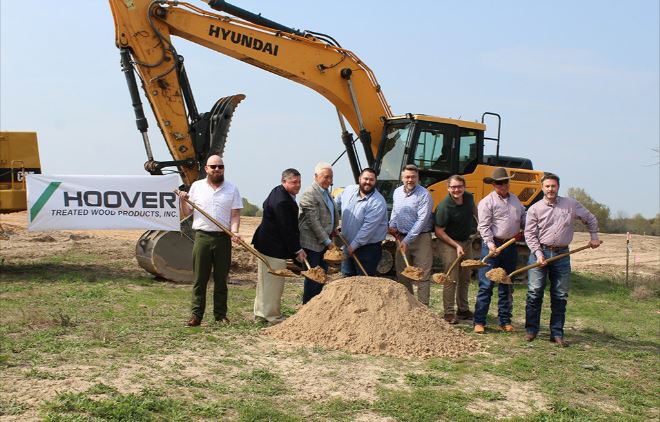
point(439, 146)
point(19, 155)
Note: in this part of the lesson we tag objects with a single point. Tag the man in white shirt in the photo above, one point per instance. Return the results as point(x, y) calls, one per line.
point(212, 248)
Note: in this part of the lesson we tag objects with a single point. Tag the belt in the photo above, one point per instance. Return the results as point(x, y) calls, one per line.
point(406, 234)
point(553, 248)
point(214, 234)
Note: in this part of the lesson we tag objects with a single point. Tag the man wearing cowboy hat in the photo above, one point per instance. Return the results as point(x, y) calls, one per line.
point(501, 217)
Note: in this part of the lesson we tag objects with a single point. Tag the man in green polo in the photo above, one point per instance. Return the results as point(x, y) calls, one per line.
point(454, 223)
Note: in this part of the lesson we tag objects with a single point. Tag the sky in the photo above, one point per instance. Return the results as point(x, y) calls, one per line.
point(577, 84)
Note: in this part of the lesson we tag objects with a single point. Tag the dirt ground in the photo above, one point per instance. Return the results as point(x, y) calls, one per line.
point(609, 258)
point(359, 378)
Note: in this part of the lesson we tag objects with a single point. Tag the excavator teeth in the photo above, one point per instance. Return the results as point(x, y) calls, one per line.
point(221, 115)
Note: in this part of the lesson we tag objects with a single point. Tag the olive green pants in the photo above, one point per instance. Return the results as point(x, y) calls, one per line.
point(211, 253)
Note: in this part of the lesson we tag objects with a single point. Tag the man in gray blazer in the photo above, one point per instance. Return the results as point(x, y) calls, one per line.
point(318, 220)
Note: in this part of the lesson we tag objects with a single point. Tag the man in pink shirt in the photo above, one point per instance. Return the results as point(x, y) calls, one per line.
point(548, 232)
point(501, 216)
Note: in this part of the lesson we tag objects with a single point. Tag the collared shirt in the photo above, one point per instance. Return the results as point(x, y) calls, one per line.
point(331, 205)
point(500, 217)
point(412, 212)
point(552, 224)
point(363, 220)
point(218, 203)
point(457, 220)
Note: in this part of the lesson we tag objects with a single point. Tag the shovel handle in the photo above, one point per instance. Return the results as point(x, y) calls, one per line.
point(405, 258)
point(309, 267)
point(357, 261)
point(499, 249)
point(453, 264)
point(229, 232)
point(547, 261)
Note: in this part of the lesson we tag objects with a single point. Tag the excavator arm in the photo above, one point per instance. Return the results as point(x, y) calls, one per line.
point(144, 29)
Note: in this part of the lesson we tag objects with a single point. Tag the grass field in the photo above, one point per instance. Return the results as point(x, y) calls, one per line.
point(76, 345)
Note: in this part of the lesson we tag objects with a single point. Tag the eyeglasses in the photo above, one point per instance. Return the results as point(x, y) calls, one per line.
point(457, 187)
point(215, 166)
point(500, 182)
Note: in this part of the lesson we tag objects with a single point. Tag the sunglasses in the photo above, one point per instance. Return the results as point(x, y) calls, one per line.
point(500, 182)
point(215, 166)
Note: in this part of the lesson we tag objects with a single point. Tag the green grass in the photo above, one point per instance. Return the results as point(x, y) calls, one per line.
point(74, 317)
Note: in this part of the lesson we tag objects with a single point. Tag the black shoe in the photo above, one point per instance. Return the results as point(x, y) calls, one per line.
point(465, 314)
point(194, 321)
point(223, 320)
point(530, 336)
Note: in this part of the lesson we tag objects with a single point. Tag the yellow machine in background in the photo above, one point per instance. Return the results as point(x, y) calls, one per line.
point(440, 147)
point(19, 155)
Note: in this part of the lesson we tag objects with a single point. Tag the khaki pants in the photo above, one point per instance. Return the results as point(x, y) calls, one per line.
point(455, 293)
point(420, 254)
point(268, 297)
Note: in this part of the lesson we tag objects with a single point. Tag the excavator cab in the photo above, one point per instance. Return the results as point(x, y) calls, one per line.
point(439, 147)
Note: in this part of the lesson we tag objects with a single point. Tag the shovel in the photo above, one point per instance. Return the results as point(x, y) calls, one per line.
point(474, 263)
point(315, 274)
point(357, 261)
point(498, 275)
point(413, 273)
point(333, 255)
point(442, 278)
point(282, 273)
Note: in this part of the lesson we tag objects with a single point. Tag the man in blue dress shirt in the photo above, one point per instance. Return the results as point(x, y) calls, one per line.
point(363, 224)
point(412, 222)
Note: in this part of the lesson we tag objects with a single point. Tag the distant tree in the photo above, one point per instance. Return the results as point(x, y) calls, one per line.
point(640, 225)
point(602, 212)
point(619, 224)
point(249, 210)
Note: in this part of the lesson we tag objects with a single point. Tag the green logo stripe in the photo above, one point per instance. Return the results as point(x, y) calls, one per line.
point(45, 196)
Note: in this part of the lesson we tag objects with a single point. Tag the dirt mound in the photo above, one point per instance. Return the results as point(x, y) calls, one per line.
point(374, 316)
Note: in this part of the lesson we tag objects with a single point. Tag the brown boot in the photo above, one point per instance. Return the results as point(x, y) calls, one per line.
point(450, 318)
point(194, 321)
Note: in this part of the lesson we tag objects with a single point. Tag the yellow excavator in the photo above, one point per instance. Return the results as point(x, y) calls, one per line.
point(439, 146)
point(19, 155)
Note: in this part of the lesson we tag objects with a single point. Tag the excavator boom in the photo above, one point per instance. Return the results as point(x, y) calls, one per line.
point(439, 146)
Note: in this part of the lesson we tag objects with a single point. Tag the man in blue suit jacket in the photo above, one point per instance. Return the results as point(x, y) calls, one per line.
point(278, 238)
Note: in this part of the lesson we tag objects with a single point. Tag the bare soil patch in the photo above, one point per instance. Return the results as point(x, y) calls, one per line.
point(23, 246)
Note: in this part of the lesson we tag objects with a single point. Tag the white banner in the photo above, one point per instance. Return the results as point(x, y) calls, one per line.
point(102, 202)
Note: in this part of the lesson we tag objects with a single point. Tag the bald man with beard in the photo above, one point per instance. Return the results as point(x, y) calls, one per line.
point(212, 247)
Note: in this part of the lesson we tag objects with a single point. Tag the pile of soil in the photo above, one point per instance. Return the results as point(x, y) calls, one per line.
point(375, 316)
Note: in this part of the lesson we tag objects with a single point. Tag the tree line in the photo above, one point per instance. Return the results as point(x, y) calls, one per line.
point(620, 223)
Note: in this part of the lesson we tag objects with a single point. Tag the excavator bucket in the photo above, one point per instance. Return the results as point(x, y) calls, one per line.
point(211, 130)
point(167, 254)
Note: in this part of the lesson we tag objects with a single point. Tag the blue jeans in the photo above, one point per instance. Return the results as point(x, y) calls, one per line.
point(559, 273)
point(507, 260)
point(369, 256)
point(312, 288)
